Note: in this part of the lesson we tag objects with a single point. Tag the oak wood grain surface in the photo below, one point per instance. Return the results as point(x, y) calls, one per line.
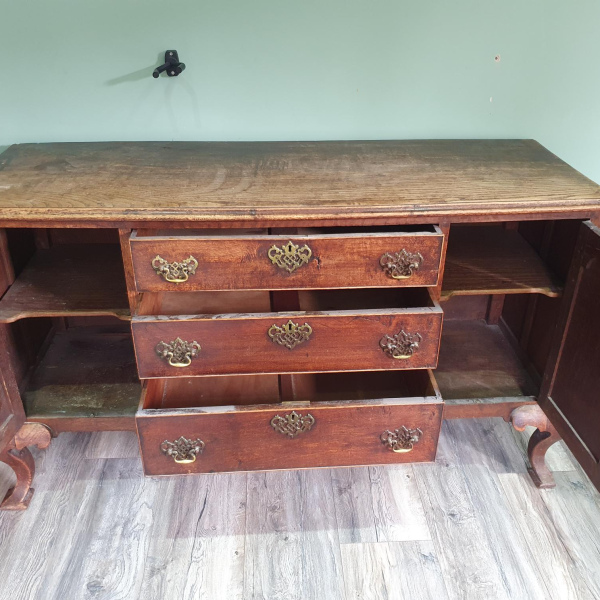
point(187, 182)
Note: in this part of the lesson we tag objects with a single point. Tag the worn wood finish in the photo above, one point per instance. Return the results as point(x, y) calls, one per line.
point(243, 438)
point(340, 340)
point(286, 182)
point(243, 262)
point(66, 280)
point(569, 394)
point(494, 260)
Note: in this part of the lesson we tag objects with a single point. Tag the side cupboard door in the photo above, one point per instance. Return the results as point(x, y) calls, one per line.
point(570, 393)
point(12, 415)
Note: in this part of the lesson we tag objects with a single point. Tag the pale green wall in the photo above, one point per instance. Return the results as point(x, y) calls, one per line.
point(304, 69)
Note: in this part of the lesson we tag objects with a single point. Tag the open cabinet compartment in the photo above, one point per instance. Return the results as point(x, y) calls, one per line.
point(502, 296)
point(339, 420)
point(65, 273)
point(67, 321)
point(77, 374)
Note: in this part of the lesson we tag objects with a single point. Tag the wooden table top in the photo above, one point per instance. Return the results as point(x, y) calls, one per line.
point(361, 182)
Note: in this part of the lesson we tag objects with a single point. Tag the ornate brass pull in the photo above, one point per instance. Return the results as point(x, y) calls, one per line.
point(178, 353)
point(290, 256)
point(292, 424)
point(175, 272)
point(400, 440)
point(290, 335)
point(402, 345)
point(400, 265)
point(183, 451)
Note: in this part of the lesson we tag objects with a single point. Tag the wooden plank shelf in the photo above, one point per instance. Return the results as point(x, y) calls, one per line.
point(494, 260)
point(86, 381)
point(69, 280)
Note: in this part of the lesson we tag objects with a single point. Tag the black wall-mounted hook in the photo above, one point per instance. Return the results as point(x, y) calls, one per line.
point(172, 65)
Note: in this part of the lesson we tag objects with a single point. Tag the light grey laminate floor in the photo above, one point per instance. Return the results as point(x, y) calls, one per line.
point(471, 525)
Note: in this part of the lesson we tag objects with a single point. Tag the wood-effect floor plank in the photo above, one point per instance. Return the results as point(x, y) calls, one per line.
point(468, 562)
point(486, 442)
point(399, 512)
point(197, 545)
point(393, 571)
point(113, 444)
point(292, 548)
point(574, 506)
point(353, 501)
point(555, 565)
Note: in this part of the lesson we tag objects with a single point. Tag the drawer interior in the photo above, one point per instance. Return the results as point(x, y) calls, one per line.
point(205, 232)
point(212, 303)
point(240, 390)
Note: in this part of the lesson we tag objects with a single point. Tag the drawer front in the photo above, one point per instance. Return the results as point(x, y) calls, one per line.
point(282, 262)
point(288, 437)
point(287, 343)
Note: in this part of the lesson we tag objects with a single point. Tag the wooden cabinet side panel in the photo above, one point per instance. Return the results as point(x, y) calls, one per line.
point(570, 393)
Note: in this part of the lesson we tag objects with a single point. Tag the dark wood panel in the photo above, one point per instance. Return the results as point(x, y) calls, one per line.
point(343, 434)
point(570, 391)
point(315, 261)
point(237, 344)
point(291, 182)
point(73, 279)
point(494, 260)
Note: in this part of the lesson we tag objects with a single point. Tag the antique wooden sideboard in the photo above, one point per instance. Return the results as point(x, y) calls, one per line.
point(249, 306)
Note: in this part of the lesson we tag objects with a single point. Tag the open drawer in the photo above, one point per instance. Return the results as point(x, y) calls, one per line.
point(340, 419)
point(368, 257)
point(331, 331)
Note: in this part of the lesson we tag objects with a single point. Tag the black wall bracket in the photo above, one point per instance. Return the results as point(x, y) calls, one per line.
point(172, 65)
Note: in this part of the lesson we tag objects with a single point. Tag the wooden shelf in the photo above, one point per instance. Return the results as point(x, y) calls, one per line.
point(477, 362)
point(494, 260)
point(69, 280)
point(85, 372)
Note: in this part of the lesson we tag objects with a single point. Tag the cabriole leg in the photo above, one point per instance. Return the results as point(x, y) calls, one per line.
point(542, 438)
point(18, 457)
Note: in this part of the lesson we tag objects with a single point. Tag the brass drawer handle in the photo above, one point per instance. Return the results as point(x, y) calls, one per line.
point(400, 440)
point(290, 256)
point(290, 334)
point(175, 272)
point(402, 345)
point(178, 353)
point(292, 424)
point(400, 265)
point(183, 451)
